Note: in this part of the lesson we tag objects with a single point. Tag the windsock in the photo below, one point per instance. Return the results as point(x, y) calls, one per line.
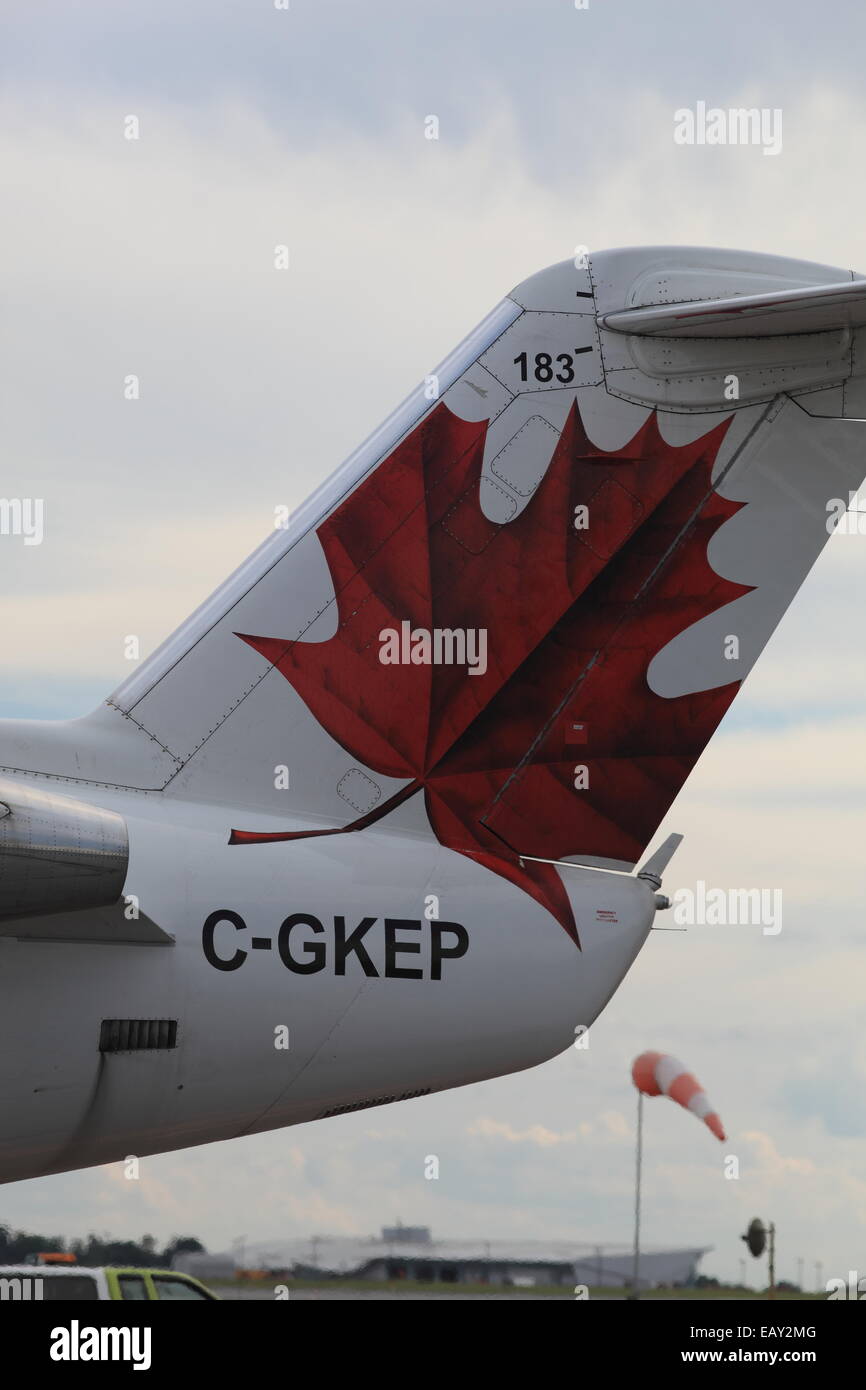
point(657, 1074)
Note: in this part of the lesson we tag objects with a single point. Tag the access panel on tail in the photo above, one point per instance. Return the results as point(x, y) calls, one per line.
point(516, 616)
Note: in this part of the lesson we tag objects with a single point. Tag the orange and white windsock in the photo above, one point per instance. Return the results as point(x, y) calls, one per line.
point(659, 1074)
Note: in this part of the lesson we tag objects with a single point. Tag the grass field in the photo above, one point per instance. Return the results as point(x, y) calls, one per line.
point(402, 1288)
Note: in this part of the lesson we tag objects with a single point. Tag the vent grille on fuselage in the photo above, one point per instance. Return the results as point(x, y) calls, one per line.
point(368, 1104)
point(137, 1034)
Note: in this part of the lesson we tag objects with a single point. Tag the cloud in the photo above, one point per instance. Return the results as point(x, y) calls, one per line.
point(772, 1164)
point(813, 1089)
point(536, 1134)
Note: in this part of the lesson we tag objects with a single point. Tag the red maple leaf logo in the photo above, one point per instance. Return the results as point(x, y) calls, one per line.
point(573, 618)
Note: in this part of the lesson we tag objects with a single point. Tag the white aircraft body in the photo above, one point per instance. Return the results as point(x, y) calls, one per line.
point(367, 825)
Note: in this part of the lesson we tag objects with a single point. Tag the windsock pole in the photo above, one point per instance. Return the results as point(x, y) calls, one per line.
point(657, 1074)
point(634, 1281)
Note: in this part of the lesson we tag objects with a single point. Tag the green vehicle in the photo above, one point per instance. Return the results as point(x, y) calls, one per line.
point(83, 1284)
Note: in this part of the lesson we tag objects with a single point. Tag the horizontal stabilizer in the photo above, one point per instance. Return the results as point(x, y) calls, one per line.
point(655, 866)
point(814, 310)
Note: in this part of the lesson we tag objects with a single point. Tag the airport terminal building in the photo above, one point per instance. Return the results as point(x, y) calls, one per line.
point(411, 1253)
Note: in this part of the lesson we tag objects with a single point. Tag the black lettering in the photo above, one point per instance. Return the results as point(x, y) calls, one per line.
point(344, 946)
point(222, 914)
point(315, 949)
point(393, 946)
point(543, 368)
point(439, 952)
point(567, 373)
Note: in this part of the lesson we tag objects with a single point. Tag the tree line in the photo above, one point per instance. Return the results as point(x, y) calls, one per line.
point(15, 1246)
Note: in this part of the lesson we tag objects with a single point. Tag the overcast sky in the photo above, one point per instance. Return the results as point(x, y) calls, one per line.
point(154, 257)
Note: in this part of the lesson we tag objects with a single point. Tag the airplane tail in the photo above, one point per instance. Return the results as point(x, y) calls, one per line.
point(516, 615)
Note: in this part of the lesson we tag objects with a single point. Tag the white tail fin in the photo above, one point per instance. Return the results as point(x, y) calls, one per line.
point(515, 616)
